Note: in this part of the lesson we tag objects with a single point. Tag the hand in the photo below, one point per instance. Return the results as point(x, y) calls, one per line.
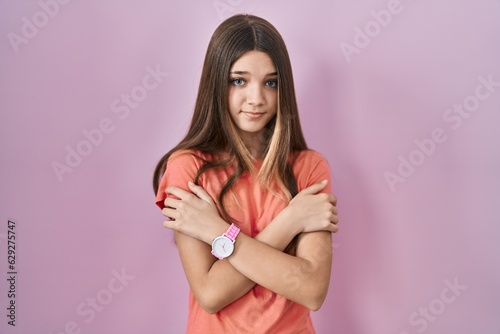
point(313, 212)
point(193, 213)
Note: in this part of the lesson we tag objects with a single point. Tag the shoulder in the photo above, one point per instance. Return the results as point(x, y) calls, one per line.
point(182, 166)
point(308, 158)
point(187, 156)
point(310, 167)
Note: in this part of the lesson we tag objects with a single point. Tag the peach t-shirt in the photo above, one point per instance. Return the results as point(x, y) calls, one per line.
point(260, 310)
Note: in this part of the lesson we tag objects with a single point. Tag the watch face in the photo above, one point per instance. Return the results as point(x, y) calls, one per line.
point(222, 247)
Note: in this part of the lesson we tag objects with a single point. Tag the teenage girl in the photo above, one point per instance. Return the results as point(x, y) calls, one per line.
point(250, 204)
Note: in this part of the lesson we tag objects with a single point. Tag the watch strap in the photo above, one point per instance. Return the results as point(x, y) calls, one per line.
point(232, 232)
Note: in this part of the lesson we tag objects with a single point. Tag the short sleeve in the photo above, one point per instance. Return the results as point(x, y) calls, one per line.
point(311, 167)
point(182, 167)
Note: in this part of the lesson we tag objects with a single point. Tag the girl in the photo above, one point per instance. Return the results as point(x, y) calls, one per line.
point(249, 203)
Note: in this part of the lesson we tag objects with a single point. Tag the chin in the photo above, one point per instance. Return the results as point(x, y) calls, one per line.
point(251, 130)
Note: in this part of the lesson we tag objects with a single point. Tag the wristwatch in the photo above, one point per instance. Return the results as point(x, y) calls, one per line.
point(223, 246)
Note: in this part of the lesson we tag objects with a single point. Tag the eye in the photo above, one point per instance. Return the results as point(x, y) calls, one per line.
point(272, 83)
point(237, 82)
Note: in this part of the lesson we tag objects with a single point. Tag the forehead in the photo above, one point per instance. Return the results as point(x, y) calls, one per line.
point(254, 62)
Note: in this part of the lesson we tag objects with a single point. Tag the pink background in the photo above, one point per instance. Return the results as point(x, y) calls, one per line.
point(398, 250)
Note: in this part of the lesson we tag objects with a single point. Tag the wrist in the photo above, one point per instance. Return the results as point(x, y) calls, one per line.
point(287, 219)
point(223, 245)
point(218, 228)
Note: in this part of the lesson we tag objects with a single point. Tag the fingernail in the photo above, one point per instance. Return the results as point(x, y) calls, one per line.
point(190, 183)
point(324, 181)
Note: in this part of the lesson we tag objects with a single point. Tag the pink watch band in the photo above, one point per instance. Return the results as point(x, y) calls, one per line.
point(232, 232)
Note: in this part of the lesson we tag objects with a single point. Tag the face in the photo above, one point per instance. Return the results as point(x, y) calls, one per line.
point(253, 88)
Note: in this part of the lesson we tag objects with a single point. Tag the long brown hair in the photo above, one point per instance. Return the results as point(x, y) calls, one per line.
point(212, 130)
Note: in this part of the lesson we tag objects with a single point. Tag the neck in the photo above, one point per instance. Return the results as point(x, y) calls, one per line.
point(254, 142)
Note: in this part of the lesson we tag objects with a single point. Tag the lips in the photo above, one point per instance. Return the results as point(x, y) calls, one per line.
point(253, 115)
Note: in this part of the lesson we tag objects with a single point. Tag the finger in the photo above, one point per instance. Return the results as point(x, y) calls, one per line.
point(171, 224)
point(315, 188)
point(176, 191)
point(200, 192)
point(171, 202)
point(169, 213)
point(334, 229)
point(333, 199)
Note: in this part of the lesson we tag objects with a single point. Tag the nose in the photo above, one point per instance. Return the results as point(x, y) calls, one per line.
point(255, 96)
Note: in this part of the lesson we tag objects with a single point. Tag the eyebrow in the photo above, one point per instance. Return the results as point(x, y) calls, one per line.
point(246, 72)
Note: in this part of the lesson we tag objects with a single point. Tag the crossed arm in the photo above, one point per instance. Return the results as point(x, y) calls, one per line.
point(303, 278)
